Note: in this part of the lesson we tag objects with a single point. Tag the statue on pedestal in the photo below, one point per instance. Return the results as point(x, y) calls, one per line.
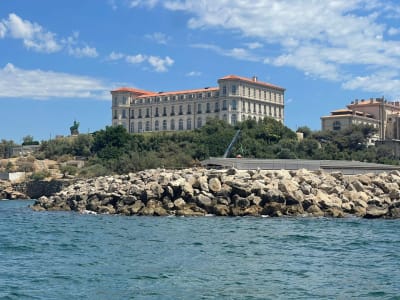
point(74, 128)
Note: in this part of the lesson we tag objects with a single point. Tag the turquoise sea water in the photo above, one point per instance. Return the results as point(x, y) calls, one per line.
point(64, 255)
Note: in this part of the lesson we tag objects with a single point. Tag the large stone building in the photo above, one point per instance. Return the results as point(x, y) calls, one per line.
point(234, 100)
point(377, 112)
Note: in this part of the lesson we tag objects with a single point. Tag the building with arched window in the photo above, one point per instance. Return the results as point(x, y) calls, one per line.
point(376, 112)
point(234, 100)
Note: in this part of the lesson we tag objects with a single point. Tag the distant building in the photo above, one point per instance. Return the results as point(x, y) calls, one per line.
point(235, 99)
point(376, 112)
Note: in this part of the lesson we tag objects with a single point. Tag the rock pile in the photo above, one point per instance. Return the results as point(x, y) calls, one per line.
point(197, 192)
point(7, 191)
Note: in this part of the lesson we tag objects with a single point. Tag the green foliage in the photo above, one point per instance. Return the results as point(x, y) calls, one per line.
point(6, 148)
point(40, 175)
point(28, 140)
point(114, 150)
point(68, 170)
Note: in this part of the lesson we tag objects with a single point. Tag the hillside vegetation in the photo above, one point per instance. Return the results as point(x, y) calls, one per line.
point(114, 150)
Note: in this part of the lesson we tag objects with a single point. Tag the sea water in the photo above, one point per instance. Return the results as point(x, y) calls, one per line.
point(65, 255)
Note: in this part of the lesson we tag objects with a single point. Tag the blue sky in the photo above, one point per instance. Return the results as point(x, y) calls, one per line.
point(60, 59)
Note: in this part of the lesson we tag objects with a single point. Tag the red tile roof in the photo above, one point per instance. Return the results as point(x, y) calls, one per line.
point(211, 89)
point(249, 80)
point(132, 90)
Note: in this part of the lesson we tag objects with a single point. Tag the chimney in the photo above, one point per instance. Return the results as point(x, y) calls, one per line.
point(255, 79)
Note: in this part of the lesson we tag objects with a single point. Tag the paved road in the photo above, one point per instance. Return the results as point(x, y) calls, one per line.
point(346, 167)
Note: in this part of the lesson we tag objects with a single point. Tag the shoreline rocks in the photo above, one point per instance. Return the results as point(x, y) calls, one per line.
point(232, 192)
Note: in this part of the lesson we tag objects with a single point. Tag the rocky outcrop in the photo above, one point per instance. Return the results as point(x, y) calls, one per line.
point(198, 192)
point(8, 191)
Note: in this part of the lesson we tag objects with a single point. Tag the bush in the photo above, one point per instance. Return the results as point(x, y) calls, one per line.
point(40, 175)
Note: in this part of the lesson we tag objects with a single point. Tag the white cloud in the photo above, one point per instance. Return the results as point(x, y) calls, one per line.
point(33, 35)
point(157, 63)
point(385, 82)
point(393, 31)
point(38, 84)
point(146, 3)
point(74, 47)
point(115, 56)
point(38, 39)
point(193, 73)
point(160, 64)
point(238, 53)
point(3, 30)
point(86, 51)
point(254, 45)
point(335, 40)
point(158, 37)
point(135, 59)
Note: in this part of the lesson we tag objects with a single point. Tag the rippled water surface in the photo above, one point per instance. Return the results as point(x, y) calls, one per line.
point(61, 255)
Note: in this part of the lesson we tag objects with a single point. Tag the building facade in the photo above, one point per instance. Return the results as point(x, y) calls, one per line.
point(235, 99)
point(376, 112)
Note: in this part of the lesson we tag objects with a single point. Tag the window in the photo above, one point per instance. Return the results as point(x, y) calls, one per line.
point(180, 126)
point(225, 118)
point(132, 114)
point(164, 111)
point(115, 101)
point(336, 125)
point(200, 95)
point(140, 129)
point(265, 95)
point(244, 106)
point(124, 100)
point(189, 109)
point(172, 124)
point(208, 110)
point(259, 108)
point(265, 109)
point(172, 110)
point(224, 105)
point(234, 104)
point(115, 114)
point(123, 114)
point(180, 109)
point(156, 112)
point(248, 107)
point(224, 90)
point(148, 112)
point(233, 89)
point(189, 124)
point(199, 122)
point(233, 119)
point(140, 113)
point(132, 129)
point(164, 125)
point(199, 108)
point(254, 107)
point(156, 125)
point(148, 128)
point(216, 107)
point(248, 92)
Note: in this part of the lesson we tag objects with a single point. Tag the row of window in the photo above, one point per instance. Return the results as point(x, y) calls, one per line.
point(124, 100)
point(172, 124)
point(255, 93)
point(246, 92)
point(247, 107)
point(147, 112)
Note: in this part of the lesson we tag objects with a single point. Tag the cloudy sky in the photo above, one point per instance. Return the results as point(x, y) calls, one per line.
point(60, 59)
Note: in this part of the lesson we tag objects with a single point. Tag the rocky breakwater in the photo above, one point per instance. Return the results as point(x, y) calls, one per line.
point(197, 192)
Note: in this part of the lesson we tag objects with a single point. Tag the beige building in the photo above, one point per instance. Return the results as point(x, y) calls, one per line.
point(376, 112)
point(234, 100)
